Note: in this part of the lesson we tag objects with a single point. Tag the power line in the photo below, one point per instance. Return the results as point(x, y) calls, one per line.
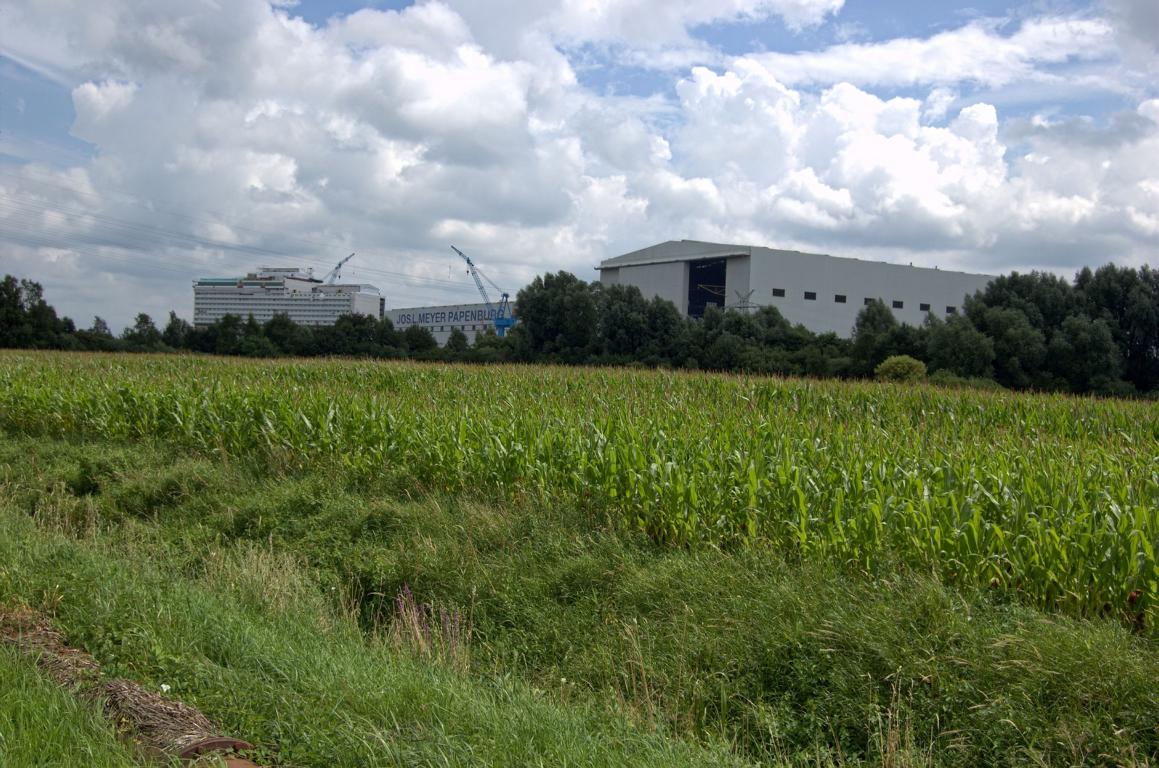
point(26, 211)
point(133, 260)
point(79, 249)
point(112, 224)
point(115, 229)
point(153, 209)
point(34, 236)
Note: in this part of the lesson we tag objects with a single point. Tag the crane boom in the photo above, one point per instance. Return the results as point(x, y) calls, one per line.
point(333, 274)
point(503, 319)
point(475, 274)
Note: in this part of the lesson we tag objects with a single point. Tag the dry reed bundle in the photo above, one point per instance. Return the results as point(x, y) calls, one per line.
point(163, 727)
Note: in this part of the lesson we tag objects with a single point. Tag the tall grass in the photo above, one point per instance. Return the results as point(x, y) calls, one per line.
point(290, 675)
point(789, 662)
point(1056, 498)
point(42, 725)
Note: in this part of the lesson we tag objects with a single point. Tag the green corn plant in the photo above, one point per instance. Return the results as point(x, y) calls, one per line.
point(1055, 498)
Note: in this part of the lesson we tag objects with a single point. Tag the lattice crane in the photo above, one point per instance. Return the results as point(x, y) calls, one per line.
point(502, 311)
point(336, 273)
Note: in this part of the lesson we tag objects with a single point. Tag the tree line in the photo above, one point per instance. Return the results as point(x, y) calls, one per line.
point(1096, 334)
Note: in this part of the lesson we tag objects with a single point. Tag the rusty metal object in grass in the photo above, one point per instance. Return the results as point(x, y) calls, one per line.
point(239, 762)
point(214, 744)
point(222, 746)
point(164, 728)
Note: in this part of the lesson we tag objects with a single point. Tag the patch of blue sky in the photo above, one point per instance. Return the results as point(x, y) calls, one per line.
point(1027, 100)
point(36, 118)
point(1062, 98)
point(318, 12)
point(602, 70)
point(919, 18)
point(1061, 89)
point(857, 21)
point(737, 38)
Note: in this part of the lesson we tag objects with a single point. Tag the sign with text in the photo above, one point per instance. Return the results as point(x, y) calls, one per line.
point(462, 314)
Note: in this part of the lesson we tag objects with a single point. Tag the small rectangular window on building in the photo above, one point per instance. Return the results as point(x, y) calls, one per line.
point(868, 301)
point(839, 298)
point(951, 310)
point(779, 292)
point(924, 307)
point(810, 295)
point(898, 304)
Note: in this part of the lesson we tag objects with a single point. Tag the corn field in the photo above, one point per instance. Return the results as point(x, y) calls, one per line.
point(1053, 498)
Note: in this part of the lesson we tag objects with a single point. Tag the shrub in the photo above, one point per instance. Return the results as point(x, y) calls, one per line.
point(900, 368)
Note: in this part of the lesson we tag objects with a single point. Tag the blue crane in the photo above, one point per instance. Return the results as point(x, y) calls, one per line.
point(503, 318)
point(335, 273)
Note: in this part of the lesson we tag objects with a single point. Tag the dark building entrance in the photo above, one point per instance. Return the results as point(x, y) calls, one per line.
point(705, 285)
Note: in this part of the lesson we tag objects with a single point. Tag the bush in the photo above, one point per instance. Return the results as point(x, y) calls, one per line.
point(900, 368)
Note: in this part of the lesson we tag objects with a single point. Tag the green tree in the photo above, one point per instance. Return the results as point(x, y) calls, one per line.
point(1128, 300)
point(100, 328)
point(1045, 299)
point(667, 333)
point(176, 333)
point(702, 336)
point(142, 335)
point(490, 348)
point(558, 317)
point(418, 340)
point(223, 336)
point(778, 332)
point(98, 338)
point(457, 345)
point(958, 347)
point(825, 355)
point(12, 314)
point(386, 336)
point(256, 345)
point(1019, 347)
point(27, 320)
point(727, 352)
point(1084, 354)
point(253, 341)
point(355, 335)
point(872, 331)
point(283, 333)
point(623, 322)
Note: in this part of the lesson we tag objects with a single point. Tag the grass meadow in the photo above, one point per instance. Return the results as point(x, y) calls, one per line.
point(355, 563)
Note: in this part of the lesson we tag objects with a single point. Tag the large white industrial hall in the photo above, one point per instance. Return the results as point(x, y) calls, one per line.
point(823, 293)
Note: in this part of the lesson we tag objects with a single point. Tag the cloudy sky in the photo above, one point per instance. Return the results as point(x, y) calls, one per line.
point(144, 143)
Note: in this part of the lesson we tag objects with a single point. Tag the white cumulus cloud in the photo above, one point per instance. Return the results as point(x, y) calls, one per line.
point(229, 135)
point(977, 52)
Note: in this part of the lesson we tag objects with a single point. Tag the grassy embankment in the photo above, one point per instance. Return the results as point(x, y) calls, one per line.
point(42, 725)
point(248, 634)
point(265, 593)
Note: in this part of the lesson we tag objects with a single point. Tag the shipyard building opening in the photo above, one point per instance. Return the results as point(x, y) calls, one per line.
point(706, 279)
